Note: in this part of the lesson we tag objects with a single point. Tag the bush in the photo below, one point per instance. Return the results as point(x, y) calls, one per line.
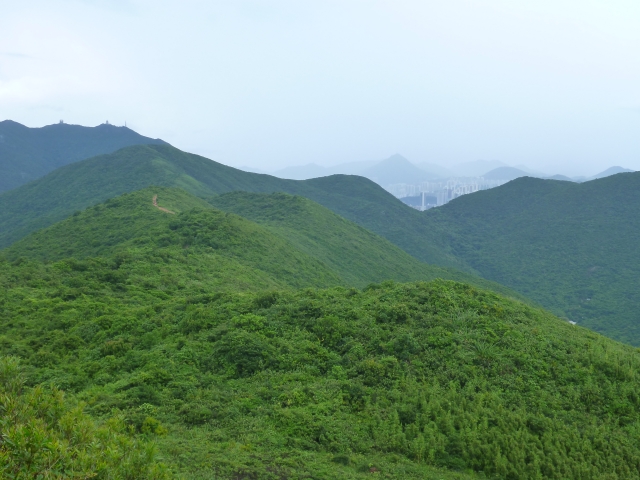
point(44, 436)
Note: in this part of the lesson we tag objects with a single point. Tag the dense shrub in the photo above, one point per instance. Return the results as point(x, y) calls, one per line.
point(43, 435)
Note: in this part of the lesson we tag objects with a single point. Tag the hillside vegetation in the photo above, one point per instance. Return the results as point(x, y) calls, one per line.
point(215, 339)
point(567, 246)
point(297, 243)
point(571, 247)
point(80, 185)
point(29, 153)
point(44, 435)
point(196, 247)
point(396, 379)
point(356, 254)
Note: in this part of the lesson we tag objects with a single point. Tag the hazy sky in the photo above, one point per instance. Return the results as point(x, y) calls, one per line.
point(553, 84)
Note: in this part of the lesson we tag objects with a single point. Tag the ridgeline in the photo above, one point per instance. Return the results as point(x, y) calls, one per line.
point(571, 247)
point(27, 154)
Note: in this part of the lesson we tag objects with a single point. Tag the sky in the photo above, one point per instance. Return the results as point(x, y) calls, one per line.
point(551, 84)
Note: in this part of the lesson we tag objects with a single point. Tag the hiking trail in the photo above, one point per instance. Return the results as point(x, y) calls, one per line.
point(155, 204)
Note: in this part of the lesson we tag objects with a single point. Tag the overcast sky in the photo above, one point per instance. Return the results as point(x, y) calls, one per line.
point(552, 84)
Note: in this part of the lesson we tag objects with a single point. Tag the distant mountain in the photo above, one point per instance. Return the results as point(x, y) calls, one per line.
point(303, 172)
point(396, 169)
point(476, 168)
point(572, 247)
point(435, 171)
point(611, 171)
point(312, 170)
point(352, 168)
point(505, 173)
point(563, 178)
point(29, 153)
point(531, 172)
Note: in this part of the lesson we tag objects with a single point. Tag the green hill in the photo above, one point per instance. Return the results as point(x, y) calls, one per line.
point(356, 254)
point(29, 153)
point(194, 246)
point(294, 243)
point(567, 246)
point(82, 184)
point(396, 380)
point(571, 247)
point(177, 324)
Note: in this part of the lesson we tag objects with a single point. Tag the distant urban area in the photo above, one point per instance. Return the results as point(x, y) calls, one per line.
point(425, 195)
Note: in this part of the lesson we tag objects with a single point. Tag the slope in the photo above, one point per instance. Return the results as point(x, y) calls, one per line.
point(571, 247)
point(393, 380)
point(194, 246)
point(357, 255)
point(79, 185)
point(29, 153)
point(298, 243)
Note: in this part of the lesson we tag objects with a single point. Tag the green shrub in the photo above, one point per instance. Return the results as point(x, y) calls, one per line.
point(44, 436)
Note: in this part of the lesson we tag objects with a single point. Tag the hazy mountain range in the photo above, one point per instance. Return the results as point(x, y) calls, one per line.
point(397, 169)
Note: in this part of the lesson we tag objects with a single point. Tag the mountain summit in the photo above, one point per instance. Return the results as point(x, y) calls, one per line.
point(27, 154)
point(396, 169)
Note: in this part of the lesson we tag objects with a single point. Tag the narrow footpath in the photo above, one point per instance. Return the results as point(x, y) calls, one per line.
point(155, 204)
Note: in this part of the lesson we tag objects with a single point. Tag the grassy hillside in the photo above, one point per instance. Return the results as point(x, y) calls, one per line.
point(567, 246)
point(195, 246)
point(295, 243)
point(77, 186)
point(177, 325)
point(356, 254)
point(396, 380)
point(29, 153)
point(571, 247)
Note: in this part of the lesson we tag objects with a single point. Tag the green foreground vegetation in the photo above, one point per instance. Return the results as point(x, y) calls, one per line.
point(332, 383)
point(231, 350)
point(44, 435)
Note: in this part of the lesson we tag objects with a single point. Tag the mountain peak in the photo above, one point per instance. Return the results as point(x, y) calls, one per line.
point(27, 154)
point(505, 173)
point(611, 171)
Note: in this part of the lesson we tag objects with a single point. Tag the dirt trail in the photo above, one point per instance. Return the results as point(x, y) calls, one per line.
point(155, 204)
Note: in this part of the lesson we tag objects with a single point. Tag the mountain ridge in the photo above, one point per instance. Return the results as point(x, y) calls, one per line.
point(141, 226)
point(81, 184)
point(569, 246)
point(30, 153)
